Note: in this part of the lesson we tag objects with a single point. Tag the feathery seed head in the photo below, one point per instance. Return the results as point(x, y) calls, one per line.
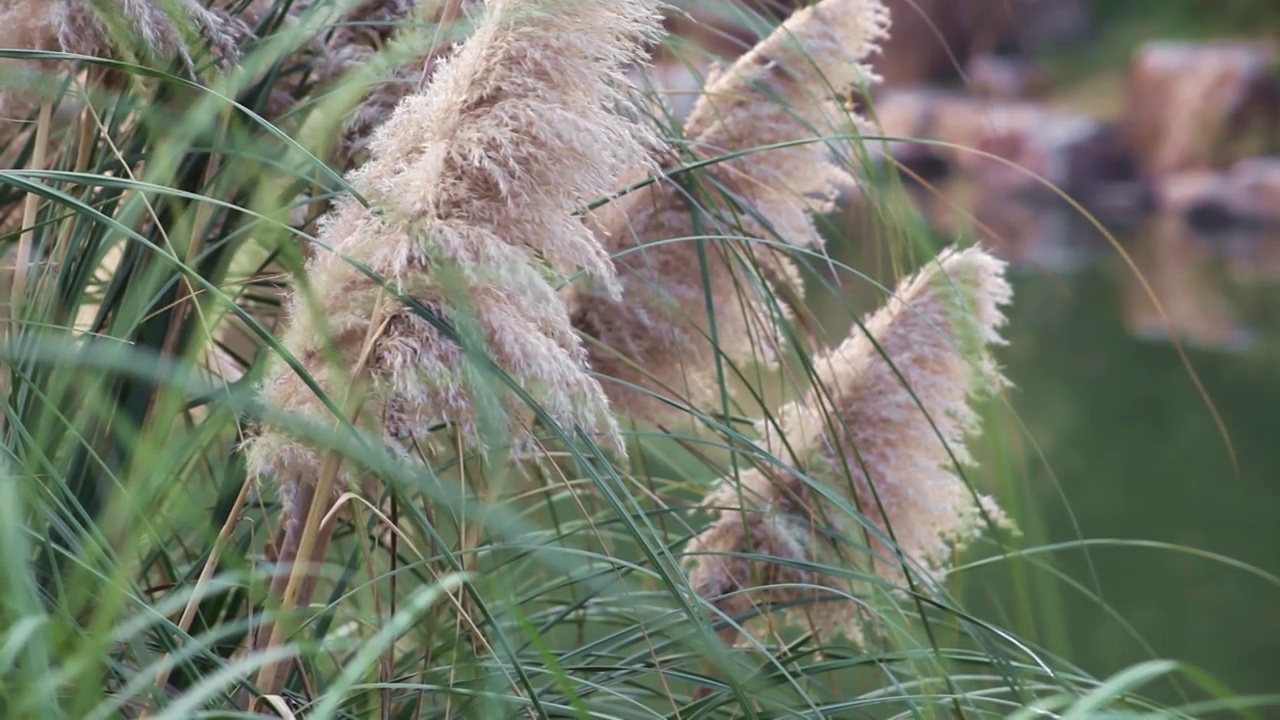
point(98, 28)
point(884, 426)
point(785, 89)
point(24, 24)
point(791, 87)
point(751, 526)
point(159, 28)
point(473, 186)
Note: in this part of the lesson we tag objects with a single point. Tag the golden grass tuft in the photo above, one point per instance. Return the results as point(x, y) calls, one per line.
point(883, 433)
point(661, 336)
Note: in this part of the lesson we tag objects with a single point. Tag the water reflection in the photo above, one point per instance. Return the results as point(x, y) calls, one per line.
point(1187, 274)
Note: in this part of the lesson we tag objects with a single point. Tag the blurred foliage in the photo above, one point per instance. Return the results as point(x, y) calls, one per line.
point(1120, 26)
point(1189, 18)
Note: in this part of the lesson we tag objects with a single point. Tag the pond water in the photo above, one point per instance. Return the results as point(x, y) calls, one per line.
point(1111, 439)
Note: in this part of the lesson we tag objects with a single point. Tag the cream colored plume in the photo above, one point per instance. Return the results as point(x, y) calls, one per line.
point(24, 25)
point(789, 88)
point(882, 431)
point(75, 26)
point(473, 187)
point(86, 27)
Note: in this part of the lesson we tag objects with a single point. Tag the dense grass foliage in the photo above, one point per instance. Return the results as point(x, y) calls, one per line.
point(153, 214)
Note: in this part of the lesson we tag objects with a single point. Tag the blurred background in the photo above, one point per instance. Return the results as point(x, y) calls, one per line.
point(1124, 155)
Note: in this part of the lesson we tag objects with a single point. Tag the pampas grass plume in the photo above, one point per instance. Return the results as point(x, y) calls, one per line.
point(474, 184)
point(85, 27)
point(785, 89)
point(883, 427)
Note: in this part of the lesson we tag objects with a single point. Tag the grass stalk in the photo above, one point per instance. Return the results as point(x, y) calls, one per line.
point(304, 550)
point(30, 209)
point(206, 572)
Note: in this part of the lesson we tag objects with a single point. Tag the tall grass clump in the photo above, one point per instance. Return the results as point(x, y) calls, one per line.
point(470, 190)
point(700, 294)
point(877, 444)
point(395, 359)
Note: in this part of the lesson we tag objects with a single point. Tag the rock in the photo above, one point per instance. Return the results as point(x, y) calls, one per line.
point(1004, 78)
point(1255, 189)
point(932, 40)
point(1046, 234)
point(1004, 145)
point(904, 115)
point(1182, 192)
point(1248, 194)
point(1202, 106)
